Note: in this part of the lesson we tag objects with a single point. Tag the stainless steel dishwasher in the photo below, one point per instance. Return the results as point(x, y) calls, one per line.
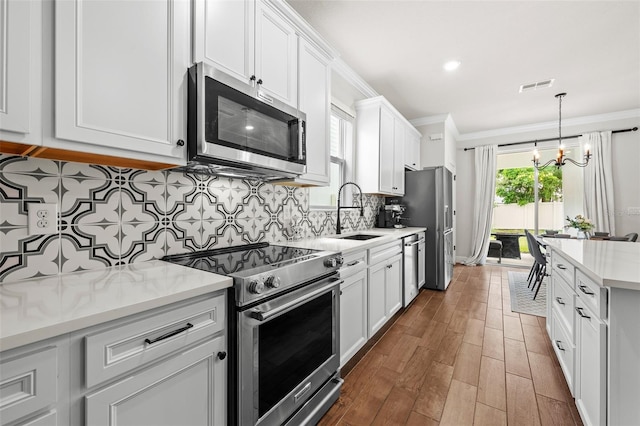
point(413, 250)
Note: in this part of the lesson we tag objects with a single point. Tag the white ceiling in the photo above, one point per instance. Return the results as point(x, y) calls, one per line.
point(591, 48)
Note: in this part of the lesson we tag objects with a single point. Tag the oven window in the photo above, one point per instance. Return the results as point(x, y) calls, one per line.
point(291, 347)
point(239, 121)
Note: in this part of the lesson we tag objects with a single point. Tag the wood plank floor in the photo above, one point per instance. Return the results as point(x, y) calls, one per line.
point(459, 357)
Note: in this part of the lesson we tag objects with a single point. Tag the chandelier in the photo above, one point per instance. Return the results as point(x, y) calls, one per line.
point(561, 159)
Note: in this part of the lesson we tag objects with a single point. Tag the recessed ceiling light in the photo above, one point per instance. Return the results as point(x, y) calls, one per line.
point(249, 127)
point(451, 65)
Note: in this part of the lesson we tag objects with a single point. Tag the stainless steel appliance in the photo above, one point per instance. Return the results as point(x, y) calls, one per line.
point(283, 330)
point(428, 201)
point(413, 257)
point(235, 129)
point(390, 216)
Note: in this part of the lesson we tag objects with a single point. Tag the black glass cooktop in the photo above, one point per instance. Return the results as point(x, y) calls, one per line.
point(241, 260)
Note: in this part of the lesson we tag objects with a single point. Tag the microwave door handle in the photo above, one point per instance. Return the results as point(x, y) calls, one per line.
point(286, 306)
point(302, 140)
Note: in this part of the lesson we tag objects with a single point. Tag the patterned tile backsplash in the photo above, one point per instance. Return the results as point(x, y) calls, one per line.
point(110, 216)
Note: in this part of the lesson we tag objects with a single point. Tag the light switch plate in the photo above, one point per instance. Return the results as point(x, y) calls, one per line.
point(42, 218)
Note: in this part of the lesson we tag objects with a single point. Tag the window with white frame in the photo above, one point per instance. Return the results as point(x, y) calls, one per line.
point(341, 139)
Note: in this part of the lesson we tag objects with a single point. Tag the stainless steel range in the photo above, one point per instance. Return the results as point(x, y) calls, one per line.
point(283, 332)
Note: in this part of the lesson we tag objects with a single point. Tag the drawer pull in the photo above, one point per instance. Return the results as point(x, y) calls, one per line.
point(585, 290)
point(581, 313)
point(561, 266)
point(390, 266)
point(222, 355)
point(169, 334)
point(559, 300)
point(558, 345)
point(354, 263)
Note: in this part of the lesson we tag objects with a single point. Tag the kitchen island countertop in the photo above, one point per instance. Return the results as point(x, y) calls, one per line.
point(613, 264)
point(335, 243)
point(41, 308)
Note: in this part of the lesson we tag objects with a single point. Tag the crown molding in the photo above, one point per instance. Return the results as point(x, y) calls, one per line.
point(341, 67)
point(546, 125)
point(427, 121)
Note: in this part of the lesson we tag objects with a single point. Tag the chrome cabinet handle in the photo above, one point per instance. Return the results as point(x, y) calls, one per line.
point(169, 334)
point(559, 300)
point(561, 266)
point(581, 313)
point(558, 345)
point(354, 263)
point(390, 266)
point(585, 290)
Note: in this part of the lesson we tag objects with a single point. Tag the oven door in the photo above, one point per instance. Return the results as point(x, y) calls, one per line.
point(288, 349)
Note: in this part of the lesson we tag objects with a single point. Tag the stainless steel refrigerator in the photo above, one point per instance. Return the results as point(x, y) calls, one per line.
point(428, 199)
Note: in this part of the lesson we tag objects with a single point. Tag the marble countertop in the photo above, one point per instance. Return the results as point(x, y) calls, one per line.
point(613, 264)
point(333, 243)
point(38, 309)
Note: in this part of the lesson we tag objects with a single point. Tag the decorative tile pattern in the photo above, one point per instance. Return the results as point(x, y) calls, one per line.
point(111, 216)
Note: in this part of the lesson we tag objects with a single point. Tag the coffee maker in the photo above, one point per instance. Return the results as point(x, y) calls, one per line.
point(390, 216)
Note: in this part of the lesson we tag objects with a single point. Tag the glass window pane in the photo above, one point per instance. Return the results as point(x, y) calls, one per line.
point(336, 144)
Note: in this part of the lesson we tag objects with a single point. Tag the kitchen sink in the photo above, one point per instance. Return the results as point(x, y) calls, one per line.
point(360, 237)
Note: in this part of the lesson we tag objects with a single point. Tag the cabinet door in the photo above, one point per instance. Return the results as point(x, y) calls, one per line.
point(412, 150)
point(591, 356)
point(387, 149)
point(393, 285)
point(224, 35)
point(188, 389)
point(314, 91)
point(120, 72)
point(421, 264)
point(353, 315)
point(20, 71)
point(276, 56)
point(398, 157)
point(377, 305)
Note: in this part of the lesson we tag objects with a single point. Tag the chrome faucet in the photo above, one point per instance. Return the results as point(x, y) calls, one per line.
point(338, 229)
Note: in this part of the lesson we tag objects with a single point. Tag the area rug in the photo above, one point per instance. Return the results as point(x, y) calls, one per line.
point(522, 297)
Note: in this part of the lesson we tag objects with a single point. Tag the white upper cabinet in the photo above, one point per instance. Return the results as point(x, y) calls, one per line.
point(251, 41)
point(314, 90)
point(412, 149)
point(120, 82)
point(380, 146)
point(20, 71)
point(224, 35)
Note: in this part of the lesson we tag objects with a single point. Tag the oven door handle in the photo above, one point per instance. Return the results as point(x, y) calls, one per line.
point(264, 316)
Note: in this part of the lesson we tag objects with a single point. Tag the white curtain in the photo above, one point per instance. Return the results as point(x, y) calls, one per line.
point(598, 182)
point(485, 190)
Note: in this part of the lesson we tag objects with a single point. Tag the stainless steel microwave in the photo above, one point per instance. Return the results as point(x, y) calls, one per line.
point(235, 129)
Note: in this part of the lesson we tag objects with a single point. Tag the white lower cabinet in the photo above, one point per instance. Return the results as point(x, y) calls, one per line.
point(353, 315)
point(590, 383)
point(385, 291)
point(187, 389)
point(28, 385)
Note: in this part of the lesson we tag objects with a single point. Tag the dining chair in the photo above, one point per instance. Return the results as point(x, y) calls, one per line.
point(600, 234)
point(542, 269)
point(562, 236)
point(632, 236)
point(535, 266)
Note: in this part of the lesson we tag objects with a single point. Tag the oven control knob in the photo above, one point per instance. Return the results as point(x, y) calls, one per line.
point(256, 286)
point(272, 281)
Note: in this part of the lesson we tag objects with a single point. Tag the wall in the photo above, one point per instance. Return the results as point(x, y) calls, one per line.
point(111, 216)
point(626, 175)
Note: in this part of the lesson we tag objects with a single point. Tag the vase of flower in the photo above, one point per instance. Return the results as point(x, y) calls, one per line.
point(582, 225)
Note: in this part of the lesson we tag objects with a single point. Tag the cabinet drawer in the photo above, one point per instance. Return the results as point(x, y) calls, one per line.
point(353, 263)
point(28, 383)
point(562, 267)
point(594, 296)
point(124, 347)
point(384, 251)
point(564, 349)
point(563, 303)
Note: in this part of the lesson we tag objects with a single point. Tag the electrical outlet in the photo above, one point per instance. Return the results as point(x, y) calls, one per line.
point(42, 218)
point(631, 211)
